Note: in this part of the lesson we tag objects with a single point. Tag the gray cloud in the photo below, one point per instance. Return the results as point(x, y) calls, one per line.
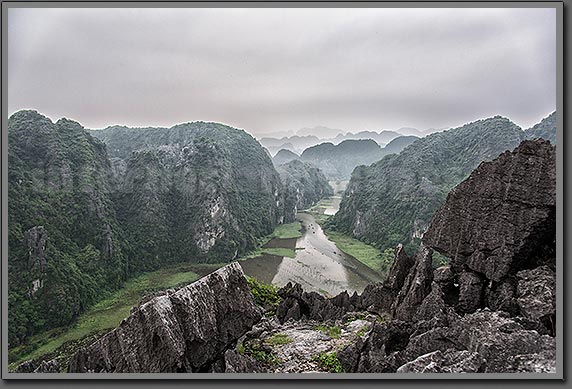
point(271, 70)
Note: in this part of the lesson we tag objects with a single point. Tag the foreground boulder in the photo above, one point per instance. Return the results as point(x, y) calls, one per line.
point(184, 331)
point(503, 217)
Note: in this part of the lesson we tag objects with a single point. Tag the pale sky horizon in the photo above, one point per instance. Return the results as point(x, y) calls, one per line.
point(276, 70)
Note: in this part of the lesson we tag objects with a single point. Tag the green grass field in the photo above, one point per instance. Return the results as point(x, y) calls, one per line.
point(287, 231)
point(283, 231)
point(106, 314)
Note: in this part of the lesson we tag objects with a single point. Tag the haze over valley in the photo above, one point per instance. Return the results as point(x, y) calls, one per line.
point(251, 190)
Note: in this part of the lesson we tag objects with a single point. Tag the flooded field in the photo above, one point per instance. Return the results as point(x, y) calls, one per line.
point(318, 266)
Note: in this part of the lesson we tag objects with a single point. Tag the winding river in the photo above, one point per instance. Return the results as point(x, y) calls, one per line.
point(318, 266)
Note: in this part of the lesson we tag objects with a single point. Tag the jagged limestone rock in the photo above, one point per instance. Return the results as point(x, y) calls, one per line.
point(179, 332)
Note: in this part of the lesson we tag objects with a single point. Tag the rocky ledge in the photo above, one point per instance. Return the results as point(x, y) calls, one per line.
point(184, 331)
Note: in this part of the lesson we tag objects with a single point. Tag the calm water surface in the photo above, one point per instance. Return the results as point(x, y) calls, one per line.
point(318, 266)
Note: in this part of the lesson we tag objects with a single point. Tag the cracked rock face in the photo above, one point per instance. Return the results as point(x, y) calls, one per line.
point(182, 331)
point(450, 361)
point(502, 216)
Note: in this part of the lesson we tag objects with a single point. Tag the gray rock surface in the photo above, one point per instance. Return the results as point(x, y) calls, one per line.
point(450, 361)
point(179, 332)
point(416, 287)
point(503, 216)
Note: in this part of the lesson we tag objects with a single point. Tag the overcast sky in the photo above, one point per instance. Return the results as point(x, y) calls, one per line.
point(268, 70)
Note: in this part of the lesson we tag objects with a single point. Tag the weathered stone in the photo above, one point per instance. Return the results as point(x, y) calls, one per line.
point(179, 332)
point(399, 269)
point(439, 338)
point(500, 339)
point(35, 240)
point(297, 304)
point(503, 216)
point(26, 367)
point(380, 352)
point(378, 298)
point(416, 286)
point(432, 306)
point(443, 275)
point(449, 361)
point(51, 366)
point(536, 295)
point(501, 296)
point(471, 287)
point(235, 362)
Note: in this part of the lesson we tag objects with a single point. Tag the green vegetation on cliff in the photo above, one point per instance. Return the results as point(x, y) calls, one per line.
point(304, 186)
point(82, 222)
point(106, 314)
point(393, 200)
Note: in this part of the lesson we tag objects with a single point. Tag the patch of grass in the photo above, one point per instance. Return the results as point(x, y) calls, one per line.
point(329, 362)
point(324, 292)
point(363, 252)
point(265, 295)
point(278, 339)
point(261, 355)
point(283, 231)
point(354, 317)
point(332, 331)
point(108, 313)
point(287, 231)
point(362, 331)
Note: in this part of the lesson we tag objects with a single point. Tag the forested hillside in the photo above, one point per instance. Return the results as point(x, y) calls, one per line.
point(393, 200)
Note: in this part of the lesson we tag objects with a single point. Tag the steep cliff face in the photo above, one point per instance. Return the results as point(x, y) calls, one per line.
point(304, 186)
point(392, 201)
point(500, 220)
point(193, 190)
point(492, 310)
point(65, 243)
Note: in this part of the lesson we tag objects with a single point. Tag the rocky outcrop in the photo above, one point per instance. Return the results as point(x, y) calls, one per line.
point(503, 217)
point(184, 331)
point(416, 286)
point(450, 361)
point(493, 309)
point(35, 240)
point(297, 304)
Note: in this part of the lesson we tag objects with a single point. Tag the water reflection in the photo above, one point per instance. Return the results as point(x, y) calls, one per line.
point(318, 266)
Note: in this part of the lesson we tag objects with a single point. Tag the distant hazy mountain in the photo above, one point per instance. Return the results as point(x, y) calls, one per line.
point(398, 144)
point(382, 138)
point(410, 131)
point(319, 131)
point(546, 129)
point(294, 143)
point(338, 161)
point(284, 156)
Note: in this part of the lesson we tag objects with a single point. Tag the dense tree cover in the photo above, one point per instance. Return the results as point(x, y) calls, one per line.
point(339, 161)
point(82, 222)
point(546, 129)
point(393, 200)
point(304, 186)
point(65, 245)
point(284, 156)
